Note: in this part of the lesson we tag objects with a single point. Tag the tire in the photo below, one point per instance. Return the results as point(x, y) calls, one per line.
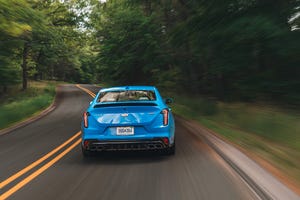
point(86, 153)
point(170, 151)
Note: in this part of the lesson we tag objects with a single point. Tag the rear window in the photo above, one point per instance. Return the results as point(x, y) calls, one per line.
point(127, 95)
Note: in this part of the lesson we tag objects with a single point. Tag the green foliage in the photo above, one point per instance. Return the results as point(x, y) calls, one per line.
point(129, 45)
point(233, 50)
point(269, 132)
point(20, 105)
point(133, 45)
point(14, 18)
point(9, 74)
point(55, 45)
point(279, 126)
point(240, 50)
point(14, 26)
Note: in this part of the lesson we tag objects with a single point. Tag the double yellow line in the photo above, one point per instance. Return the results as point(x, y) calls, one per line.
point(86, 90)
point(43, 168)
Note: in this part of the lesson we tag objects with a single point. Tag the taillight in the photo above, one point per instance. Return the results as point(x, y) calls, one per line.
point(165, 113)
point(85, 119)
point(85, 144)
point(166, 141)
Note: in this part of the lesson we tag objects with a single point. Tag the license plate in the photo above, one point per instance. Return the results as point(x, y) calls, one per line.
point(128, 130)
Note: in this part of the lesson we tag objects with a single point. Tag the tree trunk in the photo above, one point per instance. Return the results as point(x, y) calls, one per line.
point(39, 74)
point(148, 7)
point(24, 65)
point(4, 90)
point(220, 86)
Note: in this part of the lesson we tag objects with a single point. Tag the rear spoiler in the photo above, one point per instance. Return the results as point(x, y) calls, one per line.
point(123, 104)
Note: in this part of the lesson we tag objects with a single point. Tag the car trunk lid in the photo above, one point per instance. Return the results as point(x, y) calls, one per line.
point(125, 115)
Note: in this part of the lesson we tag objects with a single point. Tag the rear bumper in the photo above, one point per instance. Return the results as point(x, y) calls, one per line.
point(125, 145)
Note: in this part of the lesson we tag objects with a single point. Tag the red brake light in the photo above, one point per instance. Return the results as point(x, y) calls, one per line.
point(165, 113)
point(85, 119)
point(86, 144)
point(166, 141)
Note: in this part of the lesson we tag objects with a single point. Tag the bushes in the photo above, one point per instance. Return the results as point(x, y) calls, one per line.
point(21, 105)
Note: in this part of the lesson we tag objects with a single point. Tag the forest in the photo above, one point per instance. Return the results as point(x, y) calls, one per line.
point(234, 50)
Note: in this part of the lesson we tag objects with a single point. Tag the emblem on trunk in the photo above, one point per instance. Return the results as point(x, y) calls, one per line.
point(124, 115)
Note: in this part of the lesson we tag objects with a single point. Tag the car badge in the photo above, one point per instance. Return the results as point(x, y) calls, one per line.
point(124, 115)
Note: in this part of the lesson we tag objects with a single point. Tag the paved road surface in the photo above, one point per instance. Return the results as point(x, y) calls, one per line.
point(195, 172)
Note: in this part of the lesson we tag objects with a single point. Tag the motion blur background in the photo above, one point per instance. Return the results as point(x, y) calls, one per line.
point(231, 50)
point(232, 65)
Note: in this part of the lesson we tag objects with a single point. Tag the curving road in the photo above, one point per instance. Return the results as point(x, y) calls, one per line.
point(34, 165)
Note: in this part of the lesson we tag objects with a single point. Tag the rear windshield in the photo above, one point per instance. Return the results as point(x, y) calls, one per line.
point(128, 95)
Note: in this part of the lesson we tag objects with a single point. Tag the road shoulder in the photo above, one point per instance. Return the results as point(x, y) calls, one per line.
point(258, 178)
point(35, 117)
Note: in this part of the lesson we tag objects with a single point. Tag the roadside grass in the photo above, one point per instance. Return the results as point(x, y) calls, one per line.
point(270, 133)
point(103, 85)
point(17, 105)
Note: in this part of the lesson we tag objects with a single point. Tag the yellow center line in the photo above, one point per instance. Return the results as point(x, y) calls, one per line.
point(38, 172)
point(34, 164)
point(86, 90)
point(39, 161)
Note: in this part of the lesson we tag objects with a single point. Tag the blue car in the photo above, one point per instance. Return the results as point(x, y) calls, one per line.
point(125, 118)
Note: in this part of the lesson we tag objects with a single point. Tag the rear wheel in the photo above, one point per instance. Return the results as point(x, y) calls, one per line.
point(170, 151)
point(86, 153)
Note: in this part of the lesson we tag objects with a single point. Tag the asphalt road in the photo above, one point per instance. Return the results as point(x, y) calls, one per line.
point(195, 172)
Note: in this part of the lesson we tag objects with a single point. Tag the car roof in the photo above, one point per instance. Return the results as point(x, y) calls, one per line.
point(132, 87)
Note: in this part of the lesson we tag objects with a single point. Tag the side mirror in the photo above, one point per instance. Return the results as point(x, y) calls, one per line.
point(91, 102)
point(168, 100)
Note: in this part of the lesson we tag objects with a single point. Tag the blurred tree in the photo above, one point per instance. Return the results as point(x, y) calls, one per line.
point(17, 18)
point(130, 44)
point(238, 49)
point(235, 49)
point(43, 38)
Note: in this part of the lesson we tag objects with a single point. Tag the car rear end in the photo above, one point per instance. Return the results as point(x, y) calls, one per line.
point(146, 125)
